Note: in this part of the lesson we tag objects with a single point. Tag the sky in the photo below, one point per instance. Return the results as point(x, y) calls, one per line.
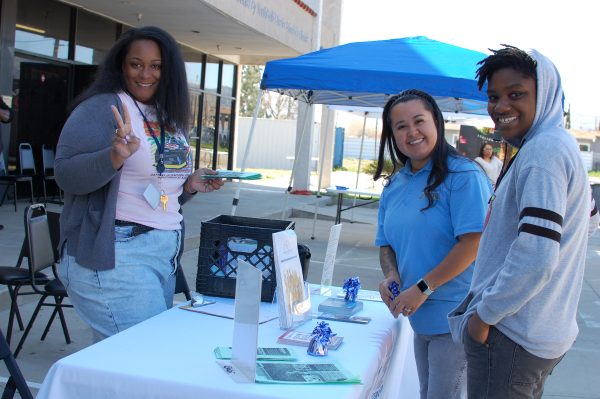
point(565, 31)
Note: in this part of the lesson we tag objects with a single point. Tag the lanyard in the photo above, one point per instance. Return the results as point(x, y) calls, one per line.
point(505, 171)
point(160, 145)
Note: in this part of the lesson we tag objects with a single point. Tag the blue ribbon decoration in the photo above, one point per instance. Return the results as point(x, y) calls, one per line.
point(321, 336)
point(351, 287)
point(395, 289)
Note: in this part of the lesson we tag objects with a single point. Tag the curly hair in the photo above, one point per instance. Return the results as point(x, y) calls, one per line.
point(440, 153)
point(172, 97)
point(507, 57)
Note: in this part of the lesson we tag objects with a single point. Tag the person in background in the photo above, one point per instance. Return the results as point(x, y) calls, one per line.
point(123, 161)
point(522, 305)
point(431, 215)
point(594, 218)
point(6, 115)
point(491, 165)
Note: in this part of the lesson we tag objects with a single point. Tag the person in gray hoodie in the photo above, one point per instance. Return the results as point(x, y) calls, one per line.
point(519, 317)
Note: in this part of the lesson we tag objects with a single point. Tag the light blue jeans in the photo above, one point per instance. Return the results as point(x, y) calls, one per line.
point(441, 366)
point(140, 286)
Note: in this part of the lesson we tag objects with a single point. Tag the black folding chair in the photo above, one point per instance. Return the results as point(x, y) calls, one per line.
point(43, 255)
point(48, 172)
point(16, 381)
point(11, 180)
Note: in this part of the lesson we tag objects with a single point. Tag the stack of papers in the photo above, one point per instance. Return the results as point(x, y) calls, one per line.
point(340, 307)
point(302, 338)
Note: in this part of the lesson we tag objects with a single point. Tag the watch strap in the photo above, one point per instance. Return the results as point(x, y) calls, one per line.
point(424, 287)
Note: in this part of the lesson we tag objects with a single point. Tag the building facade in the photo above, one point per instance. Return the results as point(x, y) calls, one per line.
point(49, 52)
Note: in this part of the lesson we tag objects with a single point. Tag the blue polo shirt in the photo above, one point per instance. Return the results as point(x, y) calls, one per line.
point(422, 239)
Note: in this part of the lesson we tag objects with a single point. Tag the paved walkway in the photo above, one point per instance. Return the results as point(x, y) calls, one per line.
point(575, 377)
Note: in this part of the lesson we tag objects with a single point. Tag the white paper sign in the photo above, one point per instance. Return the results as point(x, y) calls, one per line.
point(329, 263)
point(248, 287)
point(292, 298)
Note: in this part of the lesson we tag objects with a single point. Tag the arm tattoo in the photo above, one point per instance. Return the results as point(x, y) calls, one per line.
point(387, 260)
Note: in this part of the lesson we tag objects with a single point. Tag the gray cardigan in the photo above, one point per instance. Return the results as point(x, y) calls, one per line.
point(84, 171)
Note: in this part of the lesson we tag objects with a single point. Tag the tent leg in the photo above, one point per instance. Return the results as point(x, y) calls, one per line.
point(321, 167)
point(236, 197)
point(289, 188)
point(360, 154)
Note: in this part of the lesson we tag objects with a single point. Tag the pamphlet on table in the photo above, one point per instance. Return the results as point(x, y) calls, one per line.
point(303, 373)
point(262, 354)
point(302, 338)
point(293, 297)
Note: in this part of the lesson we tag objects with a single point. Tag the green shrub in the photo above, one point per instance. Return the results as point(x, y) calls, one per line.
point(370, 167)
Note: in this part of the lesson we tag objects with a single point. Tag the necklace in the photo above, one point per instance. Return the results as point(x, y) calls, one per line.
point(160, 147)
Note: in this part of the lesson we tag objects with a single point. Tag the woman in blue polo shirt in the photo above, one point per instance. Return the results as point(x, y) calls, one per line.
point(431, 216)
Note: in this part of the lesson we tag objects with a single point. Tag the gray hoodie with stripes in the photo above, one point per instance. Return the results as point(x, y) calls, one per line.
point(529, 267)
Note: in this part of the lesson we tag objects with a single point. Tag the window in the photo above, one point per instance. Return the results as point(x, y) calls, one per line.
point(228, 80)
point(43, 28)
point(212, 76)
point(95, 37)
point(584, 147)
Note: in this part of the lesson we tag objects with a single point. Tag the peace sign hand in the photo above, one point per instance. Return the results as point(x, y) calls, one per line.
point(124, 143)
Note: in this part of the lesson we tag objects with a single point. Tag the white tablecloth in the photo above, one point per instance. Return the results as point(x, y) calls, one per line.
point(171, 356)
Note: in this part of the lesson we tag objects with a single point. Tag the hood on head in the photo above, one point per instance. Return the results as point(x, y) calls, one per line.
point(549, 107)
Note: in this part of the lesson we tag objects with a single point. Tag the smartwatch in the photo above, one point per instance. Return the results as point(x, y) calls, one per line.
point(424, 287)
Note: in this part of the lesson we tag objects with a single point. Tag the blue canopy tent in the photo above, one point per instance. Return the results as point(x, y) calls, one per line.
point(366, 74)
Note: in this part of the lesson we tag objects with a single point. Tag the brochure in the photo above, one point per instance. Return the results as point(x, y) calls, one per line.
point(346, 319)
point(266, 354)
point(293, 297)
point(232, 174)
point(302, 338)
point(303, 373)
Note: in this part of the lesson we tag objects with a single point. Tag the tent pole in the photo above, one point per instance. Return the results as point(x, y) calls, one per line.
point(360, 154)
point(325, 135)
point(375, 146)
point(236, 197)
point(289, 188)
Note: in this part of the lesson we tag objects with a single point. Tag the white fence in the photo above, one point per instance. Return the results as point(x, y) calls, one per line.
point(352, 148)
point(273, 143)
point(588, 159)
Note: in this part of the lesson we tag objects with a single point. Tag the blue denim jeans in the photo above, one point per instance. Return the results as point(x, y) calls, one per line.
point(441, 366)
point(140, 286)
point(502, 369)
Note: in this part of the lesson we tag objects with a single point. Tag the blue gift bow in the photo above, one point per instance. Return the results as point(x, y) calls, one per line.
point(323, 333)
point(351, 287)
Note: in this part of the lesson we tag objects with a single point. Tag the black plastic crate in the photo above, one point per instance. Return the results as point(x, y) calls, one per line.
point(225, 239)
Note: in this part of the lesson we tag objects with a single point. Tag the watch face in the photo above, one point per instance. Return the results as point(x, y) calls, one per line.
point(422, 285)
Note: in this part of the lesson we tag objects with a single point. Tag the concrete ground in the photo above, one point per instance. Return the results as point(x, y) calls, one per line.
point(575, 377)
